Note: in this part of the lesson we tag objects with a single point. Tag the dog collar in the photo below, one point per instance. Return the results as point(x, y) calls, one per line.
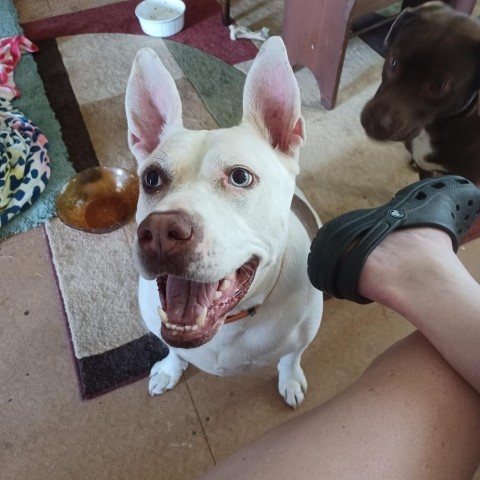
point(307, 218)
point(469, 108)
point(244, 313)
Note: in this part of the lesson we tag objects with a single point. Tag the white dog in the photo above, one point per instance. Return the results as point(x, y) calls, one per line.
point(221, 252)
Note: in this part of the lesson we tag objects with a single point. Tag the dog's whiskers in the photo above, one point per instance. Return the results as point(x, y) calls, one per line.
point(247, 269)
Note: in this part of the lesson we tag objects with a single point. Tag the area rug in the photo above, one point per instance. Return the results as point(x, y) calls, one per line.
point(34, 104)
point(85, 67)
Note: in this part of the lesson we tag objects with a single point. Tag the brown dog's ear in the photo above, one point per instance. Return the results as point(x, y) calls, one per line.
point(404, 18)
point(413, 13)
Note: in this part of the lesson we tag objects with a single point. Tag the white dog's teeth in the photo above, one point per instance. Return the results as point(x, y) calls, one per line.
point(194, 328)
point(224, 285)
point(217, 295)
point(202, 317)
point(175, 328)
point(188, 328)
point(162, 314)
point(230, 276)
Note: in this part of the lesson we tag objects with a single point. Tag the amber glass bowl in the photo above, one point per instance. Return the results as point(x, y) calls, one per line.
point(99, 199)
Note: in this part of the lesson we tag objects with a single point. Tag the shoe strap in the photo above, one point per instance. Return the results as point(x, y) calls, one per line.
point(352, 264)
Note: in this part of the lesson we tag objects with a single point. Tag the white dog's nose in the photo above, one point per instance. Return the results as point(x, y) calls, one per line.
point(163, 235)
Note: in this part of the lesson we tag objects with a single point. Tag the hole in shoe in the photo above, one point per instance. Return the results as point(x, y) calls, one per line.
point(462, 181)
point(453, 215)
point(420, 196)
point(466, 217)
point(438, 185)
point(470, 203)
point(457, 207)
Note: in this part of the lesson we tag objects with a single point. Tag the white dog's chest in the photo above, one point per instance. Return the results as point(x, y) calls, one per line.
point(232, 353)
point(422, 150)
point(255, 342)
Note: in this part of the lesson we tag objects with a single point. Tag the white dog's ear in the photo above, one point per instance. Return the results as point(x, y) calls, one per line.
point(271, 98)
point(152, 103)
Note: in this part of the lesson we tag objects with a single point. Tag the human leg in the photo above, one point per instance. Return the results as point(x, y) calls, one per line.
point(410, 415)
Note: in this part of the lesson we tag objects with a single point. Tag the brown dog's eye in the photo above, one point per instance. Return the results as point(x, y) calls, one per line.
point(151, 179)
point(393, 64)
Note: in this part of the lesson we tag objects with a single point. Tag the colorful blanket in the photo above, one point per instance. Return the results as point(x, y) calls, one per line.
point(24, 162)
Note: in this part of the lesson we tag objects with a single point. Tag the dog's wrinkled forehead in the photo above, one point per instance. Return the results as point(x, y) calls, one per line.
point(235, 165)
point(220, 174)
point(179, 155)
point(189, 154)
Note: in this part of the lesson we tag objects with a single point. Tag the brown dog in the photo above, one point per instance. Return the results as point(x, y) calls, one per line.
point(429, 91)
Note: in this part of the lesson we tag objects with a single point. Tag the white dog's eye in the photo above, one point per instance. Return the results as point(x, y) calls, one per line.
point(151, 178)
point(240, 178)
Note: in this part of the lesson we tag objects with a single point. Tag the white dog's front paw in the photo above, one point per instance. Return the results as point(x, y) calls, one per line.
point(161, 381)
point(292, 383)
point(165, 374)
point(293, 391)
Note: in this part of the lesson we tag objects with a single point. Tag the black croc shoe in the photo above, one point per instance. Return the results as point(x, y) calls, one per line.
point(342, 245)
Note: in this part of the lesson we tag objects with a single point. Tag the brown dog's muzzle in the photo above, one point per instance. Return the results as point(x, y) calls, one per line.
point(389, 118)
point(167, 238)
point(378, 120)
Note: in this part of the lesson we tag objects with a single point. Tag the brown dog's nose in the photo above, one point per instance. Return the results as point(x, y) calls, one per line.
point(378, 120)
point(164, 234)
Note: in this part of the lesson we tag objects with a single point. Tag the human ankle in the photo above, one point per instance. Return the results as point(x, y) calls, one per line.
point(402, 262)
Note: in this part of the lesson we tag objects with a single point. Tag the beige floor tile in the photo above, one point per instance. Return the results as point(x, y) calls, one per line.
point(29, 10)
point(47, 432)
point(61, 7)
point(236, 410)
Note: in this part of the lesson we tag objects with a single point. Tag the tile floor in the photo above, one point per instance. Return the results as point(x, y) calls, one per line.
point(48, 433)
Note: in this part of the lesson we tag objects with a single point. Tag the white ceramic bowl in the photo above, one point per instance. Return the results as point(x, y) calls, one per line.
point(161, 18)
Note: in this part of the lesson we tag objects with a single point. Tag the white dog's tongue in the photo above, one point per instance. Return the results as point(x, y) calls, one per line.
point(186, 300)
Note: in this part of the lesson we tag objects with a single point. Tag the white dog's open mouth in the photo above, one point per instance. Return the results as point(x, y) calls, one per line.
point(193, 311)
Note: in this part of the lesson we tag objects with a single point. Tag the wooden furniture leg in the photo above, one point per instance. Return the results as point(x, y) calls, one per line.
point(316, 33)
point(225, 7)
point(463, 5)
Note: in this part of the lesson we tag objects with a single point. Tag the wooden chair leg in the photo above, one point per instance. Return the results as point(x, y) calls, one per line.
point(315, 33)
point(225, 7)
point(463, 5)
